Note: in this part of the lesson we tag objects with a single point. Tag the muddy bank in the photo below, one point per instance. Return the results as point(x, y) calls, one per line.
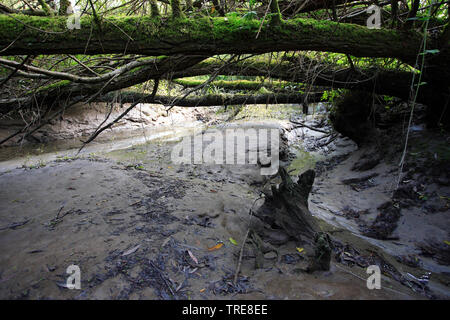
point(146, 234)
point(81, 121)
point(405, 213)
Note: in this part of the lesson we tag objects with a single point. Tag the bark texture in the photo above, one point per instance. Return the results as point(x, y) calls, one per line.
point(216, 99)
point(22, 35)
point(287, 208)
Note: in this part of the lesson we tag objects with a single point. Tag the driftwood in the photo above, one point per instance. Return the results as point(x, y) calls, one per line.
point(287, 208)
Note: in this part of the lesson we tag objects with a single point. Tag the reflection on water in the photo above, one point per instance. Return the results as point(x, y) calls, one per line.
point(35, 154)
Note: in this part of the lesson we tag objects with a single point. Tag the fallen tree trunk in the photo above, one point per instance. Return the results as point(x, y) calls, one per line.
point(287, 208)
point(65, 90)
point(215, 99)
point(245, 85)
point(386, 82)
point(22, 35)
point(395, 83)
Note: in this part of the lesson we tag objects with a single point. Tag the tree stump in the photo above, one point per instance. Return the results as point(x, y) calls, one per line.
point(287, 208)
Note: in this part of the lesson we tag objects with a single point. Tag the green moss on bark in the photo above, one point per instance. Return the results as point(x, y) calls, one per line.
point(63, 6)
point(209, 36)
point(154, 8)
point(176, 9)
point(46, 8)
point(189, 5)
point(276, 14)
point(236, 84)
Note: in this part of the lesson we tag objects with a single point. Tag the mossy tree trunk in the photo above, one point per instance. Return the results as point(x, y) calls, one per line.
point(202, 36)
point(66, 90)
point(176, 8)
point(154, 8)
point(46, 8)
point(210, 100)
point(63, 6)
point(392, 83)
point(189, 5)
point(275, 10)
point(385, 82)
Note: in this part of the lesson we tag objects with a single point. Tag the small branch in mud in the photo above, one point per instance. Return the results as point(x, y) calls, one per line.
point(238, 268)
point(162, 277)
point(57, 219)
point(240, 257)
point(359, 179)
point(330, 140)
point(15, 225)
point(302, 124)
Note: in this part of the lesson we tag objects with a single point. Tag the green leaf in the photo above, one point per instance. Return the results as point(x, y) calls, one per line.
point(250, 15)
point(233, 241)
point(419, 18)
point(432, 51)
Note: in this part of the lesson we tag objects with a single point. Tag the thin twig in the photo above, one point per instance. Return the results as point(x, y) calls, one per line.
point(238, 268)
point(301, 124)
point(109, 125)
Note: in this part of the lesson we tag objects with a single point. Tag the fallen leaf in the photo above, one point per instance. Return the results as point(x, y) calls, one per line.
point(300, 250)
point(193, 257)
point(447, 242)
point(233, 241)
point(132, 250)
point(192, 271)
point(202, 290)
point(165, 242)
point(216, 247)
point(213, 191)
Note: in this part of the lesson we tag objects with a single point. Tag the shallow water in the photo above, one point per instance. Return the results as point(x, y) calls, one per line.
point(31, 155)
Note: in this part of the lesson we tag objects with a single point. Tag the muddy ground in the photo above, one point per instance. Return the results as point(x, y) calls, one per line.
point(141, 227)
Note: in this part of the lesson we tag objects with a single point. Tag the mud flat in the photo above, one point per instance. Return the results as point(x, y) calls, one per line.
point(131, 231)
point(141, 227)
